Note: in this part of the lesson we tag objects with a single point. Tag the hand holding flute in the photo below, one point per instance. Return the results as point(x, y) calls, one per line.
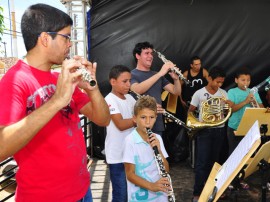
point(85, 71)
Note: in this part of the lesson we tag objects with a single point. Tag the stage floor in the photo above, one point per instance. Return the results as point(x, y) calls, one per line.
point(182, 178)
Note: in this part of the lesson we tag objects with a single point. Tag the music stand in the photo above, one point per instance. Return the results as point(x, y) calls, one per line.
point(221, 176)
point(250, 116)
point(260, 161)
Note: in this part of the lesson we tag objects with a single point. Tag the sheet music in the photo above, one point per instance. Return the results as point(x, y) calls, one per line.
point(238, 154)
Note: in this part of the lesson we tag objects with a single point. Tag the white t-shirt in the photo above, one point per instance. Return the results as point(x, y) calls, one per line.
point(202, 95)
point(141, 154)
point(114, 142)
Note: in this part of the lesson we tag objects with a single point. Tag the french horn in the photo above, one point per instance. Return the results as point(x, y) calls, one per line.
point(214, 112)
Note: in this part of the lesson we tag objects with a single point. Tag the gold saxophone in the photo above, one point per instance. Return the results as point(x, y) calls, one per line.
point(214, 112)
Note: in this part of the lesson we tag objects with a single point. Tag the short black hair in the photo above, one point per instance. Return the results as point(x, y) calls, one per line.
point(194, 58)
point(117, 70)
point(216, 72)
point(40, 18)
point(242, 71)
point(139, 47)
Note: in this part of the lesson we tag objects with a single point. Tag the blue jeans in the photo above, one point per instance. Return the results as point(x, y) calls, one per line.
point(87, 197)
point(208, 149)
point(119, 182)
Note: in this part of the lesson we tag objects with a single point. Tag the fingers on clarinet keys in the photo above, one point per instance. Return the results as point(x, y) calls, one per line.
point(167, 188)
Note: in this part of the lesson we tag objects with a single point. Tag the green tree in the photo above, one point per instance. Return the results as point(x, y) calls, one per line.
point(1, 22)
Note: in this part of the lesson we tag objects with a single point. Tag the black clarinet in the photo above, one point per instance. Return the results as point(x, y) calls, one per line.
point(176, 120)
point(173, 69)
point(166, 114)
point(161, 168)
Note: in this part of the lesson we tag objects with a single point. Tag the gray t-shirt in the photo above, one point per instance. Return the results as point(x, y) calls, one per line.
point(138, 76)
point(202, 95)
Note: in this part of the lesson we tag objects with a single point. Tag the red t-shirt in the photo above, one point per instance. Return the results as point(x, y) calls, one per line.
point(52, 166)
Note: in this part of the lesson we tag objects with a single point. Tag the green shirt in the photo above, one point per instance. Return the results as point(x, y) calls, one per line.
point(236, 95)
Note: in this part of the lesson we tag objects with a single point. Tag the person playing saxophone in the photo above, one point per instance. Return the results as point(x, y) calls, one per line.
point(143, 178)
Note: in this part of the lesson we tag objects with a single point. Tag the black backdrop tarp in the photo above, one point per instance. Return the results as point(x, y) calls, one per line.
point(226, 33)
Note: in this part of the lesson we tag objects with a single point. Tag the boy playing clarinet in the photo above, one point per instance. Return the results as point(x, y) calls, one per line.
point(143, 178)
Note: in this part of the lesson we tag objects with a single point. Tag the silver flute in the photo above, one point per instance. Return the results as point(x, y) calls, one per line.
point(161, 168)
point(165, 113)
point(173, 69)
point(87, 77)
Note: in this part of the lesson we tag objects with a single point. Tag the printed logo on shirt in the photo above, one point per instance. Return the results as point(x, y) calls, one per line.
point(207, 95)
point(196, 81)
point(40, 96)
point(66, 111)
point(142, 194)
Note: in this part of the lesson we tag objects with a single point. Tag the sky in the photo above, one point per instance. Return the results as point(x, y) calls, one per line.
point(19, 7)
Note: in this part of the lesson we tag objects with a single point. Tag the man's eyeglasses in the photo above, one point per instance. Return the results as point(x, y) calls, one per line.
point(63, 35)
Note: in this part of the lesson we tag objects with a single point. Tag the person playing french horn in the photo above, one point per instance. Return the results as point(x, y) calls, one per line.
point(209, 140)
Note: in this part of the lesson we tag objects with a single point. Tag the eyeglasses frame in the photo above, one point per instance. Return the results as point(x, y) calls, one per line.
point(68, 37)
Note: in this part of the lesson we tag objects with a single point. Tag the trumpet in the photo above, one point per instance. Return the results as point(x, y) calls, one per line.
point(173, 69)
point(256, 88)
point(253, 102)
